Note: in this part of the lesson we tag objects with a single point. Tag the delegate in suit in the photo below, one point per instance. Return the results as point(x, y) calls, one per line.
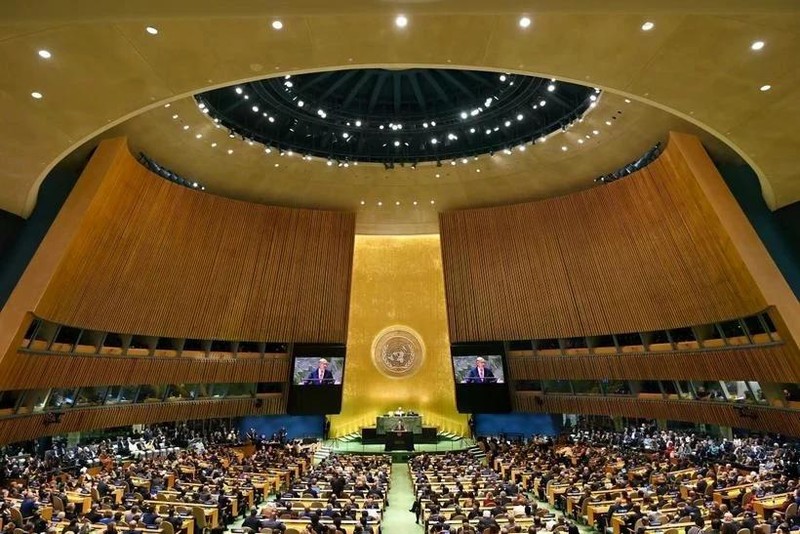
point(320, 375)
point(480, 374)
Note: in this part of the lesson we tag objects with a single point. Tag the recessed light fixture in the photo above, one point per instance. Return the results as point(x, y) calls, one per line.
point(596, 132)
point(520, 117)
point(434, 141)
point(472, 130)
point(213, 145)
point(397, 203)
point(580, 141)
point(521, 148)
point(551, 87)
point(185, 126)
point(542, 103)
point(464, 114)
point(37, 95)
point(524, 22)
point(199, 136)
point(45, 54)
point(230, 151)
point(627, 100)
point(380, 203)
point(766, 87)
point(608, 123)
point(397, 143)
point(151, 30)
point(502, 77)
point(239, 90)
point(401, 21)
point(277, 164)
point(415, 202)
point(363, 202)
point(175, 116)
point(564, 148)
point(433, 202)
point(277, 25)
point(300, 103)
point(647, 26)
point(358, 124)
point(757, 45)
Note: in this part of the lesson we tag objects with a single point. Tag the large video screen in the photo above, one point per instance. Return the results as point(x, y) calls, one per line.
point(480, 376)
point(479, 369)
point(316, 371)
point(316, 379)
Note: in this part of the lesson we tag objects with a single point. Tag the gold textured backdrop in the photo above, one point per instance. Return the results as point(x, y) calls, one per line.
point(398, 280)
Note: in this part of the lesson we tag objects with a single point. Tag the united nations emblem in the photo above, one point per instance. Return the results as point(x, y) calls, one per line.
point(398, 352)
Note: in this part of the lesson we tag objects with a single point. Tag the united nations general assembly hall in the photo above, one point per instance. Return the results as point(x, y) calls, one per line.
point(400, 267)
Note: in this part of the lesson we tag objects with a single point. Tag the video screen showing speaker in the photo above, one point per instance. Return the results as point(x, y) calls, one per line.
point(317, 371)
point(479, 372)
point(316, 380)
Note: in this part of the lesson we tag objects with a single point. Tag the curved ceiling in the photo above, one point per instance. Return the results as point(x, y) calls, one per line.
point(397, 116)
point(105, 67)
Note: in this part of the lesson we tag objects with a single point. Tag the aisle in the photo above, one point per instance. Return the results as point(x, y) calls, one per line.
point(397, 519)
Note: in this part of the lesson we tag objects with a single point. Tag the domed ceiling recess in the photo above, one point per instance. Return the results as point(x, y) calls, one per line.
point(399, 117)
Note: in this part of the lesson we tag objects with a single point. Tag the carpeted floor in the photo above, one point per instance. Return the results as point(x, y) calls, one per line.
point(397, 519)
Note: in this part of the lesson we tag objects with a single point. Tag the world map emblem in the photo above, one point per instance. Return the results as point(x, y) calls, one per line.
point(398, 352)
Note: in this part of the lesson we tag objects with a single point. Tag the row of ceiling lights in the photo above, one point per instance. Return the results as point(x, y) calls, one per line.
point(401, 21)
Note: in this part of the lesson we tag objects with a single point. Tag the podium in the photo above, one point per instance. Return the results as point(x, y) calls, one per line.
point(399, 441)
point(386, 423)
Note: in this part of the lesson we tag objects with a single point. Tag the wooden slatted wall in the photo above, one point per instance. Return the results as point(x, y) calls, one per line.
point(766, 364)
point(775, 420)
point(156, 258)
point(33, 371)
point(75, 419)
point(644, 253)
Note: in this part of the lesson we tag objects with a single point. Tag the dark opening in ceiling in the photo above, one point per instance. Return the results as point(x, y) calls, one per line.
point(397, 116)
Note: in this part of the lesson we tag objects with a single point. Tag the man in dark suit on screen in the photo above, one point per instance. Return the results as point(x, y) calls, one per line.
point(480, 374)
point(320, 375)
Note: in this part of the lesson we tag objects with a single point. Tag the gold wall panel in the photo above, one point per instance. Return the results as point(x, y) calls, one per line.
point(398, 281)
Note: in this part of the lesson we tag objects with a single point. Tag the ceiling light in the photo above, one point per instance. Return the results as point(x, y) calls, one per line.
point(507, 151)
point(433, 123)
point(277, 25)
point(551, 87)
point(520, 117)
point(45, 54)
point(238, 90)
point(593, 98)
point(300, 103)
point(542, 103)
point(268, 150)
point(213, 145)
point(488, 132)
point(397, 203)
point(415, 202)
point(277, 164)
point(472, 130)
point(766, 87)
point(185, 126)
point(271, 119)
point(345, 135)
point(507, 123)
point(255, 109)
point(524, 22)
point(175, 116)
point(608, 123)
point(464, 160)
point(593, 105)
point(477, 170)
point(330, 163)
point(757, 45)
point(230, 151)
point(401, 21)
point(246, 97)
point(433, 202)
point(502, 77)
point(37, 95)
point(596, 132)
point(380, 203)
point(647, 26)
point(453, 162)
point(358, 124)
point(464, 114)
point(438, 175)
point(380, 127)
point(424, 124)
point(542, 139)
point(151, 30)
point(564, 148)
point(397, 143)
point(521, 148)
point(434, 141)
point(199, 136)
point(580, 141)
point(627, 100)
